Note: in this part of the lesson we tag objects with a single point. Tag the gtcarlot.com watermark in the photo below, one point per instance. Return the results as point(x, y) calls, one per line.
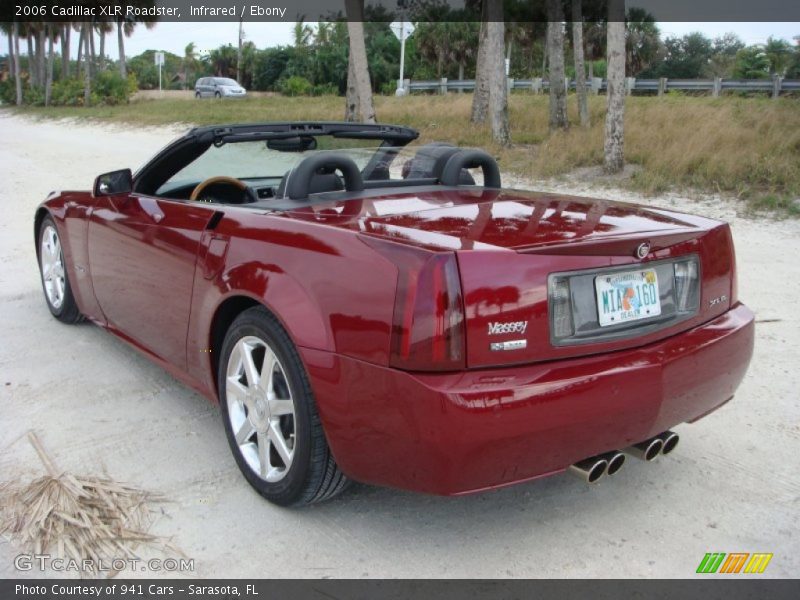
point(43, 562)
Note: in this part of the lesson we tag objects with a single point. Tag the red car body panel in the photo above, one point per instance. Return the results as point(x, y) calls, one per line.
point(156, 272)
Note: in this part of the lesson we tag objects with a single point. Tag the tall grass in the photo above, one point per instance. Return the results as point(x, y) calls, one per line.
point(749, 147)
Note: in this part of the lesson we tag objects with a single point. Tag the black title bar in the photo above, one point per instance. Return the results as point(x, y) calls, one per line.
point(379, 10)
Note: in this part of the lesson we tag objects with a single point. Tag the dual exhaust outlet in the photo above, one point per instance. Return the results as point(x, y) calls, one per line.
point(592, 470)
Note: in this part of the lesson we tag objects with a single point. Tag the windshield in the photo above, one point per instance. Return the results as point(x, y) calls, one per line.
point(225, 81)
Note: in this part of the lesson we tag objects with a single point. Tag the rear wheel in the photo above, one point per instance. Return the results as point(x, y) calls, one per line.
point(55, 283)
point(270, 416)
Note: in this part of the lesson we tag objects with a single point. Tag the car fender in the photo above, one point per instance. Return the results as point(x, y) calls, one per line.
point(70, 210)
point(256, 283)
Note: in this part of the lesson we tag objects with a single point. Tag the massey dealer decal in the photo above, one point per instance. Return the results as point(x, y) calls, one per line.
point(510, 327)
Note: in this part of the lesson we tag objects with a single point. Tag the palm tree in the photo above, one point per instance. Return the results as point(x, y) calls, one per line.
point(495, 61)
point(580, 68)
point(66, 28)
point(103, 28)
point(125, 29)
point(358, 67)
point(52, 35)
point(480, 98)
point(189, 62)
point(302, 33)
point(87, 71)
point(613, 155)
point(463, 41)
point(642, 40)
point(555, 59)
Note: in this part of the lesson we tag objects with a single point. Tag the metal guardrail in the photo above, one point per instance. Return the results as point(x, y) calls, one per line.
point(775, 86)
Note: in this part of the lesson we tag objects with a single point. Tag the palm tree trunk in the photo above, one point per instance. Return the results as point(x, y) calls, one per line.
point(555, 58)
point(580, 67)
point(65, 50)
point(87, 71)
point(31, 70)
point(80, 51)
point(102, 35)
point(12, 59)
point(498, 87)
point(93, 62)
point(48, 86)
point(480, 98)
point(355, 28)
point(351, 95)
point(41, 49)
point(613, 155)
point(123, 70)
point(17, 78)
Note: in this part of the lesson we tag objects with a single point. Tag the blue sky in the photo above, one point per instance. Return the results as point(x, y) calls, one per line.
point(174, 37)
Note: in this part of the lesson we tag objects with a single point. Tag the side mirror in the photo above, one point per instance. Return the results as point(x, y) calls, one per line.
point(115, 182)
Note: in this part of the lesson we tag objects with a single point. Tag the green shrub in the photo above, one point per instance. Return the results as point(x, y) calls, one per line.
point(111, 88)
point(33, 96)
point(8, 91)
point(325, 89)
point(389, 88)
point(67, 92)
point(296, 86)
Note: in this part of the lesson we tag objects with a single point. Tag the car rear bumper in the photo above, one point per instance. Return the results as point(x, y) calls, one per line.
point(461, 432)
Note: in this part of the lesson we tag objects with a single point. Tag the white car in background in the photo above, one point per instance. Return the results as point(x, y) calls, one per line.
point(218, 87)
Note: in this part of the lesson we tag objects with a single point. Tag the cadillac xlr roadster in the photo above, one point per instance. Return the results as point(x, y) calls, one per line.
point(364, 307)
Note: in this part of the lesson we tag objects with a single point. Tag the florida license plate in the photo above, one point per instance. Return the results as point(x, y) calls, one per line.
point(628, 296)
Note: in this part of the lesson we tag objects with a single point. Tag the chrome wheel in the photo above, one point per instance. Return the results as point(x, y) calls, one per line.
point(52, 262)
point(260, 408)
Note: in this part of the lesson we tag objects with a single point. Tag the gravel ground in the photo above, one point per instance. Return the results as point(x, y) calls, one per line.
point(731, 486)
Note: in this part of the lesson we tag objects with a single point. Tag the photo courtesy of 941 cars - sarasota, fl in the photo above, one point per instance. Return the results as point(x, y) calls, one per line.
point(364, 307)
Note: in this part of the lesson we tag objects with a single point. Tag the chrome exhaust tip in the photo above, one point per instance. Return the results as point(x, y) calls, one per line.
point(590, 470)
point(647, 450)
point(616, 460)
point(669, 440)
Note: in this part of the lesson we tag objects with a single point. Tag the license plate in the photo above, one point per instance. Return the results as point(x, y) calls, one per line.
point(628, 296)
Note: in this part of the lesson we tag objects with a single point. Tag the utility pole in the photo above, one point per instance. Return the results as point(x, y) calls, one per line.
point(239, 55)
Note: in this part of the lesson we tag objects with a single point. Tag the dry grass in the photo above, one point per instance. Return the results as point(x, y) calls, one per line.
point(77, 517)
point(749, 147)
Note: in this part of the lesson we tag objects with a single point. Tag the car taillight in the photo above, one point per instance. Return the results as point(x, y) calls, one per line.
point(560, 308)
point(428, 328)
point(687, 285)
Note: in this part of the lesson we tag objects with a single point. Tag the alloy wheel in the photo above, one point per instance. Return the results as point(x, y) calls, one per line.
point(261, 408)
point(52, 260)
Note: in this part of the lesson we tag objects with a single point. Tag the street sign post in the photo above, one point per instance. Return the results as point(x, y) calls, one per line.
point(159, 58)
point(402, 30)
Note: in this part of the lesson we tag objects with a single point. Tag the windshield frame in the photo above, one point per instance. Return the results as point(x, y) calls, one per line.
point(186, 149)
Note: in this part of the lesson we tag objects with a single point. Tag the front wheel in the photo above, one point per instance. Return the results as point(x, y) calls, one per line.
point(270, 416)
point(52, 268)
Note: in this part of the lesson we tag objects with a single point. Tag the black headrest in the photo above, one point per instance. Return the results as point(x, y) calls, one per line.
point(320, 182)
point(430, 160)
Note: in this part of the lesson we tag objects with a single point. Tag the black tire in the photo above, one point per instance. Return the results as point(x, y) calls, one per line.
point(66, 310)
point(217, 95)
point(313, 475)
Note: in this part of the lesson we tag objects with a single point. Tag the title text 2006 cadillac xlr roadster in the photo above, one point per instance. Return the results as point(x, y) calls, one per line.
point(361, 309)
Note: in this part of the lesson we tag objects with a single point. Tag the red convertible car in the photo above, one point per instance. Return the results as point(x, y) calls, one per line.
point(362, 309)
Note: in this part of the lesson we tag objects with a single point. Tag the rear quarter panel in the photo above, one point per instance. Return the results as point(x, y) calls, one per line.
point(330, 291)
